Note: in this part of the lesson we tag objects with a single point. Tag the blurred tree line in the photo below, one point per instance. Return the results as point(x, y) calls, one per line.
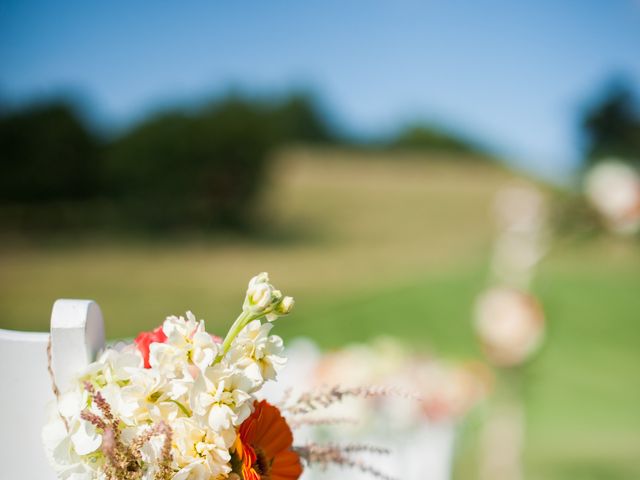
point(202, 168)
point(431, 137)
point(183, 168)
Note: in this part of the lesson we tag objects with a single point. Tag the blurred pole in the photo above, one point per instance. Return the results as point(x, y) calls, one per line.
point(509, 323)
point(520, 215)
point(503, 436)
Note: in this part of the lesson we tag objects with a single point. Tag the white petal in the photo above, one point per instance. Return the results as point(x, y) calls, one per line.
point(86, 440)
point(221, 417)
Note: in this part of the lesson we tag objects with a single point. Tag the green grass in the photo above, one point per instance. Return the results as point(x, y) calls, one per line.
point(382, 247)
point(583, 390)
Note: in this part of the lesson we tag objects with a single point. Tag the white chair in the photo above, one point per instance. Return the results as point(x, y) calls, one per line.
point(77, 334)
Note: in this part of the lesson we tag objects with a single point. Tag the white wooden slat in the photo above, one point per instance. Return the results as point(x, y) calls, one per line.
point(26, 390)
point(77, 335)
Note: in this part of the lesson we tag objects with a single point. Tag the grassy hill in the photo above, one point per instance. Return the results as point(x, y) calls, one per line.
point(373, 243)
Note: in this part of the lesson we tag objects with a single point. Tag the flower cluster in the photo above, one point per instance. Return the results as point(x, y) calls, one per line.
point(180, 403)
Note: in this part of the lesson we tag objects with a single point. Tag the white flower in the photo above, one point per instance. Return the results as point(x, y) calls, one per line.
point(199, 452)
point(169, 361)
point(72, 402)
point(113, 366)
point(151, 451)
point(149, 397)
point(74, 454)
point(221, 396)
point(58, 446)
point(261, 295)
point(258, 353)
point(194, 471)
point(187, 343)
point(84, 437)
point(263, 299)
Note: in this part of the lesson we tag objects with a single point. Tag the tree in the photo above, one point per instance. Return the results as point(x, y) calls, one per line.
point(298, 119)
point(201, 169)
point(47, 155)
point(612, 126)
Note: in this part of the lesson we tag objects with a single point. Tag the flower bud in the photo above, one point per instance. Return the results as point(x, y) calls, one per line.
point(285, 306)
point(264, 299)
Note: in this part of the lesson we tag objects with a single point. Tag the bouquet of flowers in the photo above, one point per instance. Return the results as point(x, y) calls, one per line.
point(182, 404)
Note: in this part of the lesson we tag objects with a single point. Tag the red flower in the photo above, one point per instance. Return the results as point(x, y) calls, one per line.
point(263, 446)
point(145, 339)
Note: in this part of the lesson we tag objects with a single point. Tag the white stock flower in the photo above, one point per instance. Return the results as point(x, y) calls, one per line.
point(263, 299)
point(258, 353)
point(195, 471)
point(151, 451)
point(187, 343)
point(84, 437)
point(199, 452)
point(71, 402)
point(112, 366)
point(59, 449)
point(74, 454)
point(261, 295)
point(220, 396)
point(169, 361)
point(150, 397)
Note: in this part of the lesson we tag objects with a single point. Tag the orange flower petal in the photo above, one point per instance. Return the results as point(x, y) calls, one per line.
point(286, 466)
point(266, 434)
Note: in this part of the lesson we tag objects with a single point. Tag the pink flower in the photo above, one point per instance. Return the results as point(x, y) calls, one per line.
point(145, 339)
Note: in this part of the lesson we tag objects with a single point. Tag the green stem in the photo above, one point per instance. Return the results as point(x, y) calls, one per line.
point(233, 332)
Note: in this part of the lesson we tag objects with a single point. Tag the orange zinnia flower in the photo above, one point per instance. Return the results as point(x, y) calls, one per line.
point(263, 446)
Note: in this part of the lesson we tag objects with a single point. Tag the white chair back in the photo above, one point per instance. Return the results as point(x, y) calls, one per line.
point(77, 334)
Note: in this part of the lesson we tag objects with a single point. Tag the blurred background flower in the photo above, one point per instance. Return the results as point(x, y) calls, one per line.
point(613, 188)
point(510, 324)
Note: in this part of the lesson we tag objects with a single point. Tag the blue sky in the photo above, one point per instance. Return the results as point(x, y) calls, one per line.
point(514, 74)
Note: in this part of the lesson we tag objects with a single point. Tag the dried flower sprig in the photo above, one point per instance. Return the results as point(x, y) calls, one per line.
point(304, 421)
point(325, 455)
point(326, 397)
point(359, 447)
point(104, 408)
point(124, 462)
